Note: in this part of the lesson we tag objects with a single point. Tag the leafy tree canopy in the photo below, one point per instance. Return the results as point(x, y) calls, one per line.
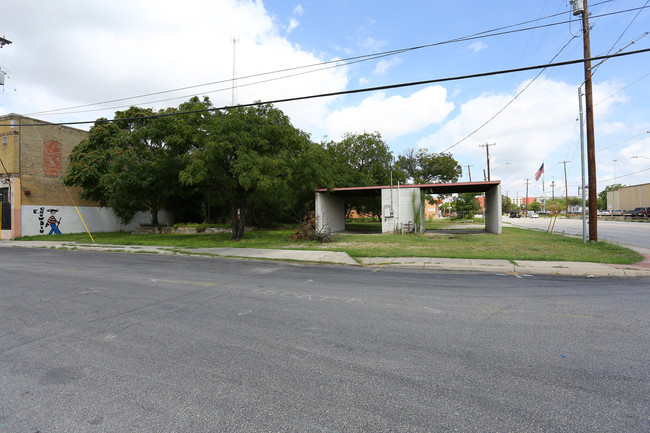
point(253, 152)
point(127, 164)
point(423, 167)
point(466, 202)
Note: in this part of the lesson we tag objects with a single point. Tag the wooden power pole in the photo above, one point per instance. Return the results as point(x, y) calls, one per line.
point(580, 8)
point(487, 151)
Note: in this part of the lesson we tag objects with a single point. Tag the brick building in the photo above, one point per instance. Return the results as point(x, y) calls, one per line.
point(33, 160)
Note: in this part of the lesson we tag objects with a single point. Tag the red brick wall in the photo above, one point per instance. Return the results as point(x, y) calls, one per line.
point(51, 158)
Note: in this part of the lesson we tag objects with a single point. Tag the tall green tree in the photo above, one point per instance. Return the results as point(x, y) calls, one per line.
point(251, 154)
point(424, 167)
point(361, 160)
point(506, 204)
point(128, 164)
point(466, 202)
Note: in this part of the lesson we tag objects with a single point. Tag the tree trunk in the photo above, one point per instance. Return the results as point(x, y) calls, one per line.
point(154, 217)
point(238, 215)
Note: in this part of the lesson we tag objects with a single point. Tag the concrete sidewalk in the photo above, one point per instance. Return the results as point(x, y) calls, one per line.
point(519, 267)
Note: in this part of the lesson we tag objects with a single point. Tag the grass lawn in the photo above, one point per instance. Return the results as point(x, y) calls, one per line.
point(513, 244)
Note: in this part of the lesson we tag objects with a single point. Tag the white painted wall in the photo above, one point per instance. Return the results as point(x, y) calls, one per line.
point(97, 219)
point(330, 212)
point(402, 199)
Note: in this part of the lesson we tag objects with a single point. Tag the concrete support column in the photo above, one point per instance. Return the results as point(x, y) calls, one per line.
point(493, 210)
point(330, 213)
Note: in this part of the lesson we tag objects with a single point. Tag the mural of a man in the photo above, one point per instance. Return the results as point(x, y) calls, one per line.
point(53, 223)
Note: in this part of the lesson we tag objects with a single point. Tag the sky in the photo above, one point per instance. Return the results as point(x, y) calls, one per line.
point(76, 61)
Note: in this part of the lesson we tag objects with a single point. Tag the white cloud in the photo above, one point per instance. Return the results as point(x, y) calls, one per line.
point(535, 125)
point(293, 22)
point(394, 116)
point(384, 65)
point(96, 51)
point(540, 125)
point(477, 46)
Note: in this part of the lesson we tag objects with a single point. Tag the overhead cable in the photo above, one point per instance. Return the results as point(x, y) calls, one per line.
point(362, 90)
point(337, 63)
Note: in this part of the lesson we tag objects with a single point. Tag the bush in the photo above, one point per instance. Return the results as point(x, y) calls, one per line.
point(307, 231)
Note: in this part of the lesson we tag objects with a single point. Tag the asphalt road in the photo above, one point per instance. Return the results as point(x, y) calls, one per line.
point(636, 234)
point(105, 342)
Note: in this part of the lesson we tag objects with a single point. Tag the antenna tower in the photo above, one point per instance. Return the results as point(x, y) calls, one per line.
point(234, 40)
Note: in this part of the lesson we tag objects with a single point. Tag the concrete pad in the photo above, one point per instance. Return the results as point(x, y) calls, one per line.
point(298, 255)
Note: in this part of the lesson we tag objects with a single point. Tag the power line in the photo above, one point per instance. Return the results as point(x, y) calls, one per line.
point(337, 63)
point(624, 141)
point(510, 102)
point(363, 90)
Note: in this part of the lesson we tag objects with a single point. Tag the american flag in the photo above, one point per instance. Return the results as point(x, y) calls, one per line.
point(539, 172)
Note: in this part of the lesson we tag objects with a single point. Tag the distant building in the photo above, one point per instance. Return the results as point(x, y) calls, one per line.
point(629, 197)
point(34, 200)
point(518, 201)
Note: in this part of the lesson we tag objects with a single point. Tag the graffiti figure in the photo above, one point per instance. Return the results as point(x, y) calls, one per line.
point(53, 223)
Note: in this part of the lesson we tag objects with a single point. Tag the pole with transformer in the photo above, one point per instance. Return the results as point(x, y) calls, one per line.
point(580, 7)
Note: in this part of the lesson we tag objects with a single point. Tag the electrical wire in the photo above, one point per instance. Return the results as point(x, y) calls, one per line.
point(509, 102)
point(624, 141)
point(621, 35)
point(337, 63)
point(362, 90)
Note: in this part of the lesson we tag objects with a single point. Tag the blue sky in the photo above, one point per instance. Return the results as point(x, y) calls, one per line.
point(74, 53)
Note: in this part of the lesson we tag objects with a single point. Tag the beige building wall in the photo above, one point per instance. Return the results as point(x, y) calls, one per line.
point(43, 153)
point(629, 197)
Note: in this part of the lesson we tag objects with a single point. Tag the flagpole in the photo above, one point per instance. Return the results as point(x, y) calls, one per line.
point(543, 189)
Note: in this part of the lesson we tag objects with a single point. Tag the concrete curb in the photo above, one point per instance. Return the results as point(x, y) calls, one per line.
point(520, 267)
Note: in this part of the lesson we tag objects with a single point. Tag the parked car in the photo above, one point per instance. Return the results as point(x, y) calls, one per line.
point(640, 211)
point(514, 214)
point(533, 215)
point(618, 212)
point(604, 212)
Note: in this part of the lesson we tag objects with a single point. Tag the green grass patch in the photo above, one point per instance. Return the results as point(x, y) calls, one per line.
point(513, 244)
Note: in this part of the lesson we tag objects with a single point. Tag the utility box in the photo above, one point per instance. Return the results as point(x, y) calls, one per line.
point(578, 7)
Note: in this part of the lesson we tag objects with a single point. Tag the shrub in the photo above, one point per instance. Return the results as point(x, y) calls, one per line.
point(307, 231)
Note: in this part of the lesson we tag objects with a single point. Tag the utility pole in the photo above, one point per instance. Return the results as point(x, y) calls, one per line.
point(487, 152)
point(470, 172)
point(526, 198)
point(566, 190)
point(3, 42)
point(580, 8)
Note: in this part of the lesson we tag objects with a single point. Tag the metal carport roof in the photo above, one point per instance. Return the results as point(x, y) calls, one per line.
point(431, 188)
